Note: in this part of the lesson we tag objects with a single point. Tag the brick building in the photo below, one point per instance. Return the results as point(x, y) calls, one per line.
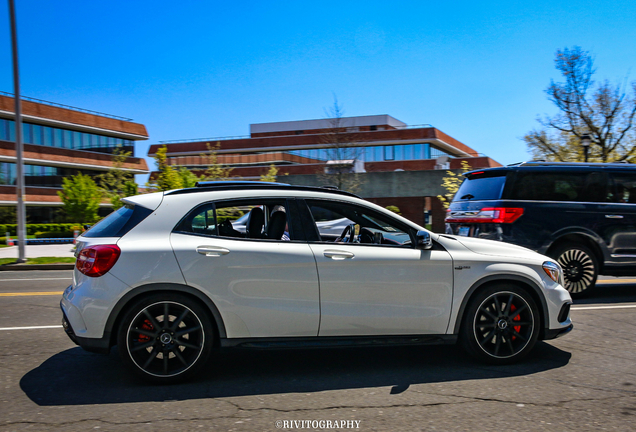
point(60, 141)
point(377, 148)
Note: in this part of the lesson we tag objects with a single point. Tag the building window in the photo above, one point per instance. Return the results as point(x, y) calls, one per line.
point(389, 153)
point(373, 127)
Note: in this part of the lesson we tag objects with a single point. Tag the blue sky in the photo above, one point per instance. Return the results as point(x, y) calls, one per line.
point(195, 69)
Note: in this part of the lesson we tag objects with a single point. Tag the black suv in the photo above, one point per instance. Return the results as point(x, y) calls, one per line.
point(581, 214)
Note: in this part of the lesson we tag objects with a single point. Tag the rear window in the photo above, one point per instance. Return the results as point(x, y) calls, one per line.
point(118, 222)
point(486, 186)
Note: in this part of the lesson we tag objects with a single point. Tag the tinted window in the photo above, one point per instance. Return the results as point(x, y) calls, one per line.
point(559, 186)
point(622, 188)
point(481, 187)
point(118, 222)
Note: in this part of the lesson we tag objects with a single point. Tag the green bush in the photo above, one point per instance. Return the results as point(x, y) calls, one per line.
point(53, 234)
point(33, 229)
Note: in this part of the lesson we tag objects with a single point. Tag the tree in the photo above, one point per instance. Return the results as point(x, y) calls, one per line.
point(604, 111)
point(270, 176)
point(80, 197)
point(168, 177)
point(451, 183)
point(117, 183)
point(343, 151)
point(214, 171)
point(188, 178)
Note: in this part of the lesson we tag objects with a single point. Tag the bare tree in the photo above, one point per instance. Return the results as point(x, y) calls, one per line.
point(603, 111)
point(343, 150)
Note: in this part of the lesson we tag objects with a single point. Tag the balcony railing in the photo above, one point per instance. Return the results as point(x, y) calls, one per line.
point(68, 107)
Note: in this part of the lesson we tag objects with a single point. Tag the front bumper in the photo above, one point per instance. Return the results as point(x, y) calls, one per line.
point(553, 334)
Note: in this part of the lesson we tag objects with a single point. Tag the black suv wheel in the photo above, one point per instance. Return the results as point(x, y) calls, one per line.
point(580, 268)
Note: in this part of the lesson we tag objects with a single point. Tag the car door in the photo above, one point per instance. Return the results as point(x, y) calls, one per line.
point(617, 221)
point(381, 288)
point(263, 287)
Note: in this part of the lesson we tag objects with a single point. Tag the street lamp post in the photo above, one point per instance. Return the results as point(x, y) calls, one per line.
point(18, 139)
point(585, 143)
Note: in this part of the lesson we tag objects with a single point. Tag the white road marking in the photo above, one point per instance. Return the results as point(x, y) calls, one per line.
point(40, 279)
point(603, 307)
point(30, 328)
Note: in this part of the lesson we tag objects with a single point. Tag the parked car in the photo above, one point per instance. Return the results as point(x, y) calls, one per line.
point(581, 214)
point(166, 283)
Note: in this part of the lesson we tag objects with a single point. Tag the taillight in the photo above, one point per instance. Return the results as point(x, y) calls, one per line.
point(486, 215)
point(97, 260)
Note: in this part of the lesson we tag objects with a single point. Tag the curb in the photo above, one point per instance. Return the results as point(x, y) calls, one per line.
point(27, 267)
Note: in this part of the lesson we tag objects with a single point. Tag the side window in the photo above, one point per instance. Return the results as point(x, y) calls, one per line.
point(264, 219)
point(337, 222)
point(622, 188)
point(549, 186)
point(199, 221)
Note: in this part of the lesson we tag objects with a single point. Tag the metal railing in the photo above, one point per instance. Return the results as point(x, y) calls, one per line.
point(224, 138)
point(68, 107)
point(205, 139)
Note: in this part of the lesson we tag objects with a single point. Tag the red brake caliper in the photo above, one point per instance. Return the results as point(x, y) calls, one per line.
point(147, 325)
point(517, 318)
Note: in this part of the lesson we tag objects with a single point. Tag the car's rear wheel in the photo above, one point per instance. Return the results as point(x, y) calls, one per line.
point(165, 338)
point(580, 268)
point(501, 324)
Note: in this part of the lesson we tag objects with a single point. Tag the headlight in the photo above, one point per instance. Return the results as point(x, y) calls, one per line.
point(553, 270)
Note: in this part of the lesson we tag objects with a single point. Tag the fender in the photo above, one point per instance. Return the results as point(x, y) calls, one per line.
point(155, 287)
point(503, 278)
point(579, 231)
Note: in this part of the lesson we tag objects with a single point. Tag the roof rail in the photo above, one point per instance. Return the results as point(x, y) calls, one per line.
point(245, 184)
point(551, 163)
point(218, 183)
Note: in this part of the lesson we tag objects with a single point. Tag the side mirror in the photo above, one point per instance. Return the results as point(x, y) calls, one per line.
point(423, 240)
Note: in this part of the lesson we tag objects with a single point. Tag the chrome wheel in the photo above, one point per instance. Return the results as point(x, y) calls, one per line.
point(165, 340)
point(579, 268)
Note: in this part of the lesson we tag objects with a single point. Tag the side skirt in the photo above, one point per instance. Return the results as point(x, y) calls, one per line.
point(336, 341)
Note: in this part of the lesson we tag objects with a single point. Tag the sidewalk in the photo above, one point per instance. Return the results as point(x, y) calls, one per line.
point(36, 251)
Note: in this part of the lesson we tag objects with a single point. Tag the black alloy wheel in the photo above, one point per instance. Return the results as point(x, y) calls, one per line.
point(580, 268)
point(501, 325)
point(165, 338)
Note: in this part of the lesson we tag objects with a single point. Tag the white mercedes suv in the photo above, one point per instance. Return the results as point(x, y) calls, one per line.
point(168, 279)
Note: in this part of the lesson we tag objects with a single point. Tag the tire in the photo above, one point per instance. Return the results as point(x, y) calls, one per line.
point(165, 353)
point(580, 268)
point(501, 325)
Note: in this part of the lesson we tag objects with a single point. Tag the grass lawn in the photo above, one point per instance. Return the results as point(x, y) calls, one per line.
point(40, 260)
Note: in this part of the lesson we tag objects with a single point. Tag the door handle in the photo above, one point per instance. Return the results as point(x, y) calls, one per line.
point(338, 255)
point(614, 216)
point(212, 251)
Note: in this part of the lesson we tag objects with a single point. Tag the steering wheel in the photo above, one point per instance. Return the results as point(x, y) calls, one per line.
point(348, 234)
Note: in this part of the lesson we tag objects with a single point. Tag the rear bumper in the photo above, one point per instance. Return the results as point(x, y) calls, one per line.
point(96, 345)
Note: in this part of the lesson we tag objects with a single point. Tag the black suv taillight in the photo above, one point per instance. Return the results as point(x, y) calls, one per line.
point(95, 261)
point(486, 215)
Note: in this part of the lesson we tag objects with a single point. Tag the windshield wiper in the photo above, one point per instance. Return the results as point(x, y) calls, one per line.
point(467, 196)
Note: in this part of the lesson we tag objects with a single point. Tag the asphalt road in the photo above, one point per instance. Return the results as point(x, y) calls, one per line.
point(582, 382)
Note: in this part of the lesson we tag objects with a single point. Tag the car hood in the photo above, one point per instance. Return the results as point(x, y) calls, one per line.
point(497, 248)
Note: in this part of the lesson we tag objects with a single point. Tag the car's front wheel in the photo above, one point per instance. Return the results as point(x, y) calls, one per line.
point(501, 324)
point(165, 338)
